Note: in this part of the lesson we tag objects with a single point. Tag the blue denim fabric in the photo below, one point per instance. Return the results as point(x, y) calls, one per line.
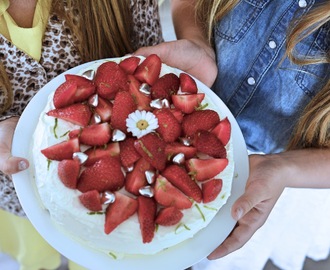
point(264, 94)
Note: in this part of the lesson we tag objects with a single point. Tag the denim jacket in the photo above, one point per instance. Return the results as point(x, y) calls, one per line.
point(264, 91)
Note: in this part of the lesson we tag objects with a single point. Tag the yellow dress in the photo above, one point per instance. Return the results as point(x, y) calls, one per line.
point(18, 238)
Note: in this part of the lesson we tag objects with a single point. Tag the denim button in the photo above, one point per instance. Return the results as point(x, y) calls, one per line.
point(251, 81)
point(302, 3)
point(272, 44)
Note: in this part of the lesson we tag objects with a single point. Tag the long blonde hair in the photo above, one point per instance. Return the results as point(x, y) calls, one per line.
point(101, 28)
point(313, 127)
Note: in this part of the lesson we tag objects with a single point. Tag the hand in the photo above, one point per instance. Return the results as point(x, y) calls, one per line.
point(8, 163)
point(194, 58)
point(264, 186)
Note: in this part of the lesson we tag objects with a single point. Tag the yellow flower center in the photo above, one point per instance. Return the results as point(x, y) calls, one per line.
point(142, 124)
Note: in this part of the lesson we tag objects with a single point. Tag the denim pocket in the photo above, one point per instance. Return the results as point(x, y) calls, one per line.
point(237, 23)
point(314, 76)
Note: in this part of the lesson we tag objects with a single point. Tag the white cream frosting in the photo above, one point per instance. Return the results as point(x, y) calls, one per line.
point(72, 218)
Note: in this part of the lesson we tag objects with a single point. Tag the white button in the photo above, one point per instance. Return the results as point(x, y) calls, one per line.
point(302, 3)
point(272, 44)
point(251, 81)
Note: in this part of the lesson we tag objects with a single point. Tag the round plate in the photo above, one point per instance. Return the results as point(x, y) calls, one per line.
point(178, 257)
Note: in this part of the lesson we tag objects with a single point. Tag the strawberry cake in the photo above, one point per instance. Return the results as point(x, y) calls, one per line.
point(131, 157)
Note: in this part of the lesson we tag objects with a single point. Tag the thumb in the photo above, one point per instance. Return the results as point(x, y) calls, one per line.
point(11, 165)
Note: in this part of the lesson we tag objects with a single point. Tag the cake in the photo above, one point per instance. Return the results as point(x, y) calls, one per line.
point(131, 157)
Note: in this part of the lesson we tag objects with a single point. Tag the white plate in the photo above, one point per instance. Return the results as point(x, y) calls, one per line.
point(178, 257)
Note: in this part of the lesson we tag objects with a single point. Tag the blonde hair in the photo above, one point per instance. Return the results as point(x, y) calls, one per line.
point(313, 127)
point(101, 29)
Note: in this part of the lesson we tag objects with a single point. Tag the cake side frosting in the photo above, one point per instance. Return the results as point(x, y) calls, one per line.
point(75, 220)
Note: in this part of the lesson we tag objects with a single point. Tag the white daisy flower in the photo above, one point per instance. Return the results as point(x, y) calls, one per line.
point(141, 123)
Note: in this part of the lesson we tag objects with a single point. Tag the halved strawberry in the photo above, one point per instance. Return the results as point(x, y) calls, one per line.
point(68, 171)
point(211, 190)
point(119, 211)
point(104, 109)
point(208, 143)
point(169, 216)
point(152, 148)
point(174, 148)
point(91, 200)
point(85, 87)
point(95, 154)
point(179, 177)
point(148, 71)
point(78, 114)
point(168, 195)
point(64, 94)
point(62, 150)
point(130, 64)
point(204, 169)
point(128, 153)
point(124, 104)
point(165, 87)
point(147, 208)
point(223, 130)
point(188, 103)
point(142, 101)
point(188, 84)
point(105, 174)
point(168, 126)
point(110, 78)
point(137, 178)
point(178, 114)
point(199, 120)
point(93, 135)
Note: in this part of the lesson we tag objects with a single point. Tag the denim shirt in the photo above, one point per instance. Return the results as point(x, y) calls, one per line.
point(264, 91)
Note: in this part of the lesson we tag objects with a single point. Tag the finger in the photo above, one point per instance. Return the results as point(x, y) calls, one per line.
point(12, 165)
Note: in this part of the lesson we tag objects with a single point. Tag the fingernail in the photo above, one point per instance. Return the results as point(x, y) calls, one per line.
point(22, 165)
point(238, 213)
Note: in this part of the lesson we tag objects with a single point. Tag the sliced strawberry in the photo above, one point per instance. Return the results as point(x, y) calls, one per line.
point(62, 150)
point(124, 104)
point(110, 78)
point(142, 101)
point(168, 126)
point(78, 114)
point(152, 148)
point(178, 114)
point(211, 190)
point(137, 178)
point(204, 169)
point(208, 143)
point(179, 177)
point(223, 131)
point(68, 171)
point(91, 200)
point(95, 154)
point(168, 195)
point(104, 109)
point(147, 208)
point(119, 211)
point(188, 103)
point(165, 87)
point(85, 87)
point(130, 64)
point(148, 71)
point(174, 148)
point(105, 174)
point(169, 216)
point(93, 135)
point(64, 94)
point(128, 153)
point(188, 84)
point(199, 120)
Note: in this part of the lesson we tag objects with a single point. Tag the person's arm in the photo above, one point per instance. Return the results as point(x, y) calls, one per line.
point(269, 175)
point(8, 163)
point(191, 52)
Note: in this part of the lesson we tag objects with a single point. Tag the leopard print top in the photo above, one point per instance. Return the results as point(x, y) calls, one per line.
point(59, 54)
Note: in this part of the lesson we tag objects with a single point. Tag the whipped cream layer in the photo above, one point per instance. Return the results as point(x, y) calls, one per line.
point(78, 223)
